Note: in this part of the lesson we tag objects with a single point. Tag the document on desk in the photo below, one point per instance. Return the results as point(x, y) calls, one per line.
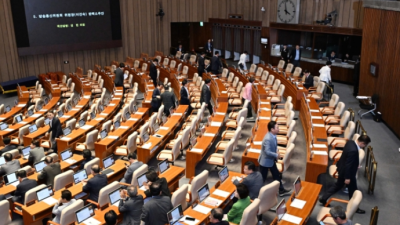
point(266, 109)
point(113, 137)
point(74, 109)
point(111, 104)
point(86, 127)
point(50, 201)
point(99, 118)
point(124, 127)
point(134, 119)
point(15, 183)
point(118, 93)
point(320, 146)
point(65, 116)
point(318, 125)
point(86, 96)
point(221, 193)
point(188, 222)
point(202, 209)
point(220, 113)
point(9, 129)
point(2, 118)
point(92, 221)
point(264, 117)
point(21, 105)
point(177, 114)
point(297, 203)
point(317, 117)
point(66, 138)
point(37, 115)
point(216, 124)
point(209, 134)
point(314, 110)
point(196, 150)
point(43, 110)
point(361, 97)
point(292, 219)
point(254, 150)
point(139, 113)
point(212, 201)
point(79, 106)
point(164, 128)
point(70, 161)
point(320, 152)
point(103, 114)
point(224, 92)
point(23, 122)
point(147, 145)
point(300, 88)
point(308, 100)
point(257, 142)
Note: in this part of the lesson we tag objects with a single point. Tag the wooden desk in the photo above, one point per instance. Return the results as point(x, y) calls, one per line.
point(218, 89)
point(108, 80)
point(23, 98)
point(149, 149)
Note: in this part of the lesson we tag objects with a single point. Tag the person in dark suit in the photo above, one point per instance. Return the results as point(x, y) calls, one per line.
point(36, 153)
point(154, 211)
point(295, 57)
point(200, 64)
point(7, 147)
point(134, 165)
point(206, 95)
point(152, 177)
point(87, 156)
point(119, 75)
point(209, 47)
point(156, 98)
point(269, 156)
point(185, 100)
point(347, 167)
point(309, 81)
point(254, 180)
point(284, 53)
point(10, 166)
point(50, 171)
point(153, 71)
point(215, 63)
point(111, 217)
point(332, 57)
point(216, 217)
point(130, 206)
point(346, 57)
point(168, 99)
point(180, 49)
point(55, 129)
point(93, 185)
point(24, 186)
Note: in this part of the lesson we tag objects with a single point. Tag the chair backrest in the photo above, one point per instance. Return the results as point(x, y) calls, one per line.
point(225, 72)
point(264, 75)
point(88, 165)
point(31, 194)
point(228, 152)
point(139, 171)
point(197, 182)
point(339, 109)
point(166, 61)
point(124, 111)
point(107, 126)
point(136, 64)
point(192, 59)
point(68, 213)
point(40, 122)
point(239, 87)
point(84, 116)
point(268, 196)
point(349, 131)
point(160, 114)
point(276, 85)
point(259, 71)
point(23, 131)
point(63, 179)
point(287, 157)
point(230, 77)
point(290, 117)
point(250, 213)
point(353, 204)
point(144, 67)
point(185, 137)
point(19, 114)
point(4, 212)
point(281, 64)
point(14, 153)
point(297, 72)
point(242, 113)
point(91, 138)
point(2, 109)
point(178, 54)
point(292, 138)
point(131, 142)
point(356, 136)
point(71, 123)
point(289, 68)
point(291, 127)
point(236, 135)
point(321, 87)
point(334, 100)
point(253, 68)
point(94, 77)
point(345, 118)
point(235, 82)
point(176, 149)
point(270, 80)
point(179, 196)
point(172, 64)
point(281, 89)
point(179, 67)
point(105, 191)
point(143, 130)
point(316, 81)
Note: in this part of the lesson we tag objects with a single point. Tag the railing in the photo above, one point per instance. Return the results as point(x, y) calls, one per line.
point(352, 114)
point(374, 216)
point(360, 129)
point(370, 170)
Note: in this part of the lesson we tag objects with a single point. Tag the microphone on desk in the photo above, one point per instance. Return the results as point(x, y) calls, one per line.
point(247, 148)
point(311, 155)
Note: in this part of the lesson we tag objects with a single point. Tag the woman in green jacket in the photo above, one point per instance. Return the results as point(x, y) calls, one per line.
point(236, 212)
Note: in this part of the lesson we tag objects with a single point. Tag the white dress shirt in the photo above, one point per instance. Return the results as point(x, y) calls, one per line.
point(242, 59)
point(325, 74)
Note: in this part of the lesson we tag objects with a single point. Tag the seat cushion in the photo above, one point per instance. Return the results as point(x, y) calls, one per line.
point(332, 170)
point(80, 147)
point(316, 96)
point(326, 111)
point(121, 151)
point(322, 213)
point(228, 134)
point(235, 101)
point(275, 99)
point(332, 128)
point(278, 112)
point(222, 145)
point(165, 154)
point(339, 143)
point(233, 115)
point(45, 144)
point(127, 85)
point(216, 160)
point(231, 124)
point(333, 152)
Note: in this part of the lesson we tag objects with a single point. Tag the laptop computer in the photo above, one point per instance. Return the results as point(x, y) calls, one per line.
point(193, 142)
point(281, 209)
point(103, 134)
point(101, 107)
point(11, 179)
point(67, 131)
point(39, 166)
point(145, 137)
point(114, 197)
point(25, 152)
point(32, 128)
point(297, 186)
point(2, 161)
point(66, 154)
point(142, 179)
point(75, 101)
point(107, 162)
point(69, 107)
point(18, 118)
point(175, 215)
point(44, 193)
point(8, 109)
point(39, 107)
point(163, 166)
point(135, 108)
point(82, 123)
point(50, 96)
point(3, 126)
point(85, 214)
point(92, 115)
point(46, 100)
point(60, 113)
point(30, 112)
point(127, 115)
point(16, 102)
point(117, 124)
point(203, 192)
point(79, 176)
point(223, 174)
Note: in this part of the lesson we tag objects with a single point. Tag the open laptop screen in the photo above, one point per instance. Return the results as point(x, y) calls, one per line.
point(10, 178)
point(103, 134)
point(2, 161)
point(39, 166)
point(114, 197)
point(82, 123)
point(127, 115)
point(32, 128)
point(18, 118)
point(109, 161)
point(66, 131)
point(175, 214)
point(79, 176)
point(281, 209)
point(142, 179)
point(163, 166)
point(3, 126)
point(297, 185)
point(116, 125)
point(30, 112)
point(203, 192)
point(66, 154)
point(223, 174)
point(25, 151)
point(84, 213)
point(44, 193)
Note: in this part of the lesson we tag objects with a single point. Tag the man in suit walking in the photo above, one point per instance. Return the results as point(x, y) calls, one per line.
point(309, 81)
point(180, 49)
point(153, 71)
point(269, 156)
point(134, 165)
point(347, 167)
point(295, 57)
point(200, 64)
point(284, 54)
point(55, 129)
point(209, 47)
point(50, 171)
point(7, 147)
point(158, 205)
point(130, 206)
point(215, 63)
point(36, 153)
point(119, 75)
point(24, 186)
point(185, 100)
point(94, 185)
point(156, 98)
point(206, 95)
point(168, 99)
point(10, 166)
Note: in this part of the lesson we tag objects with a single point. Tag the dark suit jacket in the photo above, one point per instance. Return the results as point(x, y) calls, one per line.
point(330, 58)
point(10, 167)
point(153, 72)
point(168, 99)
point(128, 174)
point(119, 77)
point(131, 210)
point(24, 187)
point(200, 68)
point(181, 50)
point(205, 95)
point(94, 185)
point(254, 183)
point(220, 223)
point(284, 54)
point(49, 172)
point(215, 63)
point(155, 211)
point(36, 154)
point(348, 163)
point(82, 165)
point(184, 97)
point(164, 188)
point(206, 47)
point(7, 149)
point(55, 128)
point(293, 54)
point(309, 82)
point(155, 102)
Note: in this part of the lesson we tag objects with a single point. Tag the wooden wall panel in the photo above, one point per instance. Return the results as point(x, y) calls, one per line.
point(381, 45)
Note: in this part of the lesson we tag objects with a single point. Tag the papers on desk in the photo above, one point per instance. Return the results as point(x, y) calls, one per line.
point(66, 116)
point(308, 100)
point(25, 92)
point(92, 221)
point(264, 117)
point(70, 161)
point(86, 127)
point(316, 117)
point(196, 150)
point(43, 110)
point(23, 122)
point(209, 134)
point(134, 119)
point(320, 146)
point(297, 203)
point(111, 104)
point(2, 118)
point(113, 137)
point(50, 201)
point(212, 201)
point(177, 114)
point(36, 115)
point(66, 138)
point(216, 124)
point(361, 97)
point(15, 183)
point(300, 88)
point(189, 222)
point(124, 127)
point(221, 193)
point(118, 93)
point(202, 209)
point(116, 99)
point(74, 109)
point(79, 106)
point(267, 103)
point(257, 142)
point(266, 109)
point(314, 110)
point(139, 113)
point(99, 118)
point(9, 129)
point(103, 114)
point(164, 128)
point(291, 218)
point(318, 125)
point(320, 152)
point(143, 188)
point(86, 96)
point(147, 101)
point(147, 145)
point(254, 150)
point(224, 92)
point(220, 113)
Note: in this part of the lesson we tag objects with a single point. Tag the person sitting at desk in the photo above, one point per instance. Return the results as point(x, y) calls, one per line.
point(157, 207)
point(130, 206)
point(7, 147)
point(10, 166)
point(332, 57)
point(216, 217)
point(110, 217)
point(87, 156)
point(134, 164)
point(50, 171)
point(152, 177)
point(339, 216)
point(253, 181)
point(24, 186)
point(36, 153)
point(168, 100)
point(95, 184)
point(346, 58)
point(65, 200)
point(309, 81)
point(236, 212)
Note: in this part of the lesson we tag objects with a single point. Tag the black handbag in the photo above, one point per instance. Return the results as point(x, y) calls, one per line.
point(241, 66)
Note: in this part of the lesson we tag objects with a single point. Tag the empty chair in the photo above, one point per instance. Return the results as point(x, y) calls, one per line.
point(337, 128)
point(289, 68)
point(152, 123)
point(4, 212)
point(91, 138)
point(19, 139)
point(273, 87)
point(71, 123)
point(264, 77)
point(281, 64)
point(40, 122)
point(317, 93)
point(143, 131)
point(128, 146)
point(279, 94)
point(195, 184)
point(284, 164)
point(250, 213)
point(297, 72)
point(64, 180)
point(338, 142)
point(166, 62)
point(286, 142)
point(336, 114)
point(370, 108)
point(326, 110)
point(185, 139)
point(222, 159)
point(172, 154)
point(179, 196)
point(268, 197)
point(234, 123)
